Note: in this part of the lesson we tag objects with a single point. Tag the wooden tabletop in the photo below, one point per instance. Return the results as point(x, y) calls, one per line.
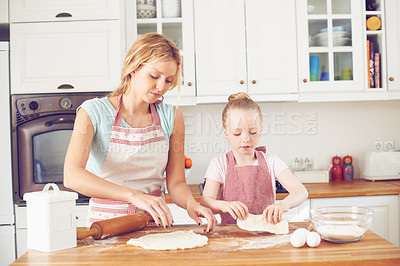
point(227, 245)
point(332, 189)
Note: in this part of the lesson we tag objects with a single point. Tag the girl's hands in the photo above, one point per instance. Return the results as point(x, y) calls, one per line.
point(195, 211)
point(235, 208)
point(155, 206)
point(273, 213)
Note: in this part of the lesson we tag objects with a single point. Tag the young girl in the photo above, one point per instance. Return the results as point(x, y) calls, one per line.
point(243, 180)
point(122, 144)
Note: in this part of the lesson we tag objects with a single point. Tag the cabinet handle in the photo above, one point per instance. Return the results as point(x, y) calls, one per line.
point(241, 82)
point(65, 86)
point(254, 82)
point(189, 83)
point(63, 15)
point(304, 80)
point(391, 78)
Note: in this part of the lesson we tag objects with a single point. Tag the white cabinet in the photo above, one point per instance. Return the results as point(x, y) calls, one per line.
point(65, 56)
point(177, 25)
point(245, 45)
point(4, 11)
point(60, 10)
point(386, 212)
point(393, 44)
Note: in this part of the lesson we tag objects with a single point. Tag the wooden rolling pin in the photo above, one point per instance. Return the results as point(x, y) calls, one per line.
point(114, 226)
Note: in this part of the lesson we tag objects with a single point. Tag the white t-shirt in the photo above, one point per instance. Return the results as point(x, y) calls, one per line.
point(217, 168)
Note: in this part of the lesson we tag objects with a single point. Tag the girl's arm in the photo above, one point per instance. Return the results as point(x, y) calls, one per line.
point(209, 199)
point(79, 179)
point(297, 195)
point(175, 175)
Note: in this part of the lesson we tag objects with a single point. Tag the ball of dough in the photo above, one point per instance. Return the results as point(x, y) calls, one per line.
point(313, 239)
point(298, 240)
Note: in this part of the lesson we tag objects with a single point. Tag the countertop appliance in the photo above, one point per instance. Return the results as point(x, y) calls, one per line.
point(381, 165)
point(7, 222)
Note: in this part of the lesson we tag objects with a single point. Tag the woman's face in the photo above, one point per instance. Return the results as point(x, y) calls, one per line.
point(151, 81)
point(243, 130)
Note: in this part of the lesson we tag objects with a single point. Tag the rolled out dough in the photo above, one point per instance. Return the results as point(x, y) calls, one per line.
point(170, 241)
point(257, 223)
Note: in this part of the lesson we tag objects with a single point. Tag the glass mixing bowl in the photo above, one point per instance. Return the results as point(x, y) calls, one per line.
point(341, 224)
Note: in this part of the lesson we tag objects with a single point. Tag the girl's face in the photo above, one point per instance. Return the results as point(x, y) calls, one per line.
point(243, 131)
point(151, 81)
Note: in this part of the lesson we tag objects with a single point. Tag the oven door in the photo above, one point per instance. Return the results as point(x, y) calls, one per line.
point(42, 145)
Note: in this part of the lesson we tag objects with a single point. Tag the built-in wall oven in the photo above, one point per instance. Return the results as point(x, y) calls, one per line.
point(41, 129)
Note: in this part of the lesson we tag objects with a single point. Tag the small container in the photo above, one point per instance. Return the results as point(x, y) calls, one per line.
point(51, 219)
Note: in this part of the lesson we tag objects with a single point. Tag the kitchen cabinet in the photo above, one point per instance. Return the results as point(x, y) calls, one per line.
point(177, 25)
point(49, 55)
point(62, 10)
point(245, 45)
point(4, 11)
point(393, 48)
point(386, 212)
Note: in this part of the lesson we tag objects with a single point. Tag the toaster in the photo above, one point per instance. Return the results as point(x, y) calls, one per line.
point(381, 165)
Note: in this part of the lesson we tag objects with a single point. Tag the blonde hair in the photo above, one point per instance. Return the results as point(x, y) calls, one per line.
point(240, 101)
point(148, 49)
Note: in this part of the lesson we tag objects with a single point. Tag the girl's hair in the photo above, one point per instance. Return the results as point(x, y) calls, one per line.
point(240, 101)
point(148, 49)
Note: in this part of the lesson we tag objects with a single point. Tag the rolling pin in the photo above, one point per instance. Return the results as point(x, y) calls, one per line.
point(114, 226)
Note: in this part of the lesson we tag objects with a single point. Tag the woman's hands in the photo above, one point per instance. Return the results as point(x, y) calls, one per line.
point(155, 206)
point(235, 208)
point(195, 211)
point(273, 213)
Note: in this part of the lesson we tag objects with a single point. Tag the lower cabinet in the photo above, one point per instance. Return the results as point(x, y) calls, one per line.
point(386, 212)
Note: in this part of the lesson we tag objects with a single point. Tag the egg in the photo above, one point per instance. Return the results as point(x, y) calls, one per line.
point(313, 239)
point(298, 239)
point(302, 231)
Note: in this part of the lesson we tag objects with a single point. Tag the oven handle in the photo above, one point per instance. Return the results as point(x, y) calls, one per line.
point(59, 120)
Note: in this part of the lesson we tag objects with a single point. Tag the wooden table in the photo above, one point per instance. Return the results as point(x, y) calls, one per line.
point(227, 245)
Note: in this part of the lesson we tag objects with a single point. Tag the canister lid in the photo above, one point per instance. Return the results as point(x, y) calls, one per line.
point(47, 195)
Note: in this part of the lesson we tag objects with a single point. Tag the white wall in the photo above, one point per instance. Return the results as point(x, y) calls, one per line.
point(315, 130)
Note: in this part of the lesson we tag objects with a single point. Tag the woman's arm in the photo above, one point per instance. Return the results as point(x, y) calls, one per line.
point(175, 174)
point(209, 199)
point(78, 178)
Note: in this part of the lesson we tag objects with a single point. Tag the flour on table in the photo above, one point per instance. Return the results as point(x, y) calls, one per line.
point(341, 232)
point(257, 223)
point(170, 241)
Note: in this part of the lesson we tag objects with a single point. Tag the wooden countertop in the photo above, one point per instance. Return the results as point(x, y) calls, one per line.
point(227, 245)
point(333, 189)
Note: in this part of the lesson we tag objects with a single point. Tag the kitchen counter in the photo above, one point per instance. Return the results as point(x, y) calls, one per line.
point(333, 189)
point(227, 245)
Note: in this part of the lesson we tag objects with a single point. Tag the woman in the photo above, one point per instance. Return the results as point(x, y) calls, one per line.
point(122, 144)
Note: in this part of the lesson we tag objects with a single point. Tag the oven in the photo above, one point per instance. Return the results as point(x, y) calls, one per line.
point(41, 129)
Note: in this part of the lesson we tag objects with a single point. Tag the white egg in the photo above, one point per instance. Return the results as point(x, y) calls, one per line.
point(313, 239)
point(302, 231)
point(298, 239)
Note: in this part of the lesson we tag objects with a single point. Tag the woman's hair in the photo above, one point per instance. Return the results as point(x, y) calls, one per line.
point(148, 49)
point(240, 101)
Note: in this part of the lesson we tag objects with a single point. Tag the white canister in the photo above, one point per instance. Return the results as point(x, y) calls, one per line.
point(51, 219)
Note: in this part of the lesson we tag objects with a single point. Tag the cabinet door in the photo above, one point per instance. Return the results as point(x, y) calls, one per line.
point(59, 10)
point(4, 11)
point(330, 46)
point(220, 47)
point(65, 56)
point(271, 46)
point(386, 212)
point(393, 41)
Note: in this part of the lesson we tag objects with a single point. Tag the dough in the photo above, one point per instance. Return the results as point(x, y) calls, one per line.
point(169, 241)
point(256, 223)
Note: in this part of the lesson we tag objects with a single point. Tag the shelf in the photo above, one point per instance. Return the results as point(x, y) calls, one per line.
point(156, 20)
point(374, 32)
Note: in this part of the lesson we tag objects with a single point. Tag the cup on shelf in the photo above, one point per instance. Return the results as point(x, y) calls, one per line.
point(324, 76)
point(346, 74)
point(314, 67)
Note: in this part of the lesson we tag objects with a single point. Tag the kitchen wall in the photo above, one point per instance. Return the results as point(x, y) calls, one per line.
point(315, 130)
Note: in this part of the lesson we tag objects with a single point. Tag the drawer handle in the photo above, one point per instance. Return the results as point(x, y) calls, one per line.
point(241, 82)
point(63, 15)
point(189, 83)
point(391, 78)
point(65, 86)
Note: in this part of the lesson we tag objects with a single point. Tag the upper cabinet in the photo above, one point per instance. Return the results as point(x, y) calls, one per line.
point(245, 45)
point(330, 46)
point(174, 19)
point(4, 11)
point(393, 44)
point(51, 55)
point(63, 10)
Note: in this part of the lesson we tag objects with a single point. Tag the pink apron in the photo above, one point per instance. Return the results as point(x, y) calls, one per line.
point(136, 158)
point(250, 185)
